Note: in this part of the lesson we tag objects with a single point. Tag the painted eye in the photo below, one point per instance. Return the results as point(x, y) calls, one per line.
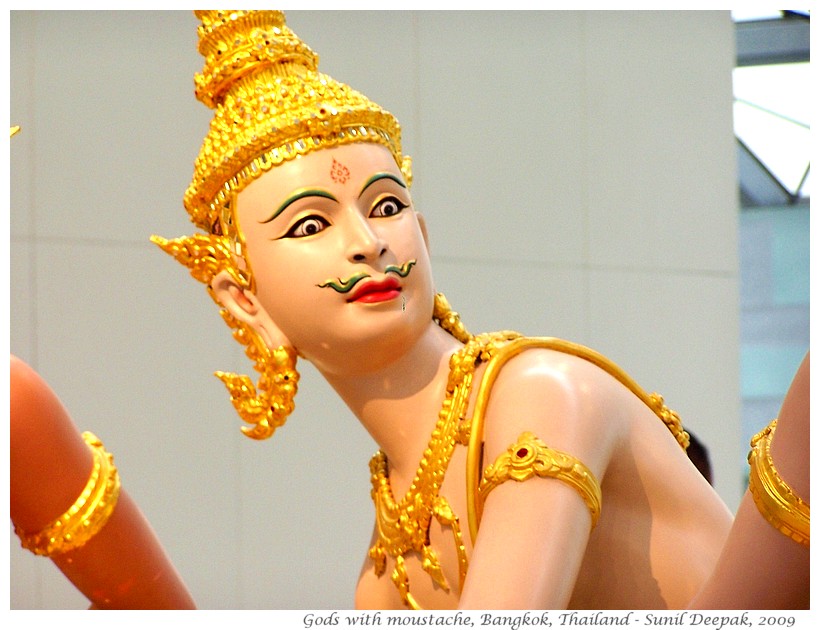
point(387, 207)
point(307, 227)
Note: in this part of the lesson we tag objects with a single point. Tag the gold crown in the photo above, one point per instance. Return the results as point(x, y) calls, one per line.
point(271, 104)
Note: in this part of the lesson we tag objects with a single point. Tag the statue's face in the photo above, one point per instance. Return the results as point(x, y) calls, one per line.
point(338, 254)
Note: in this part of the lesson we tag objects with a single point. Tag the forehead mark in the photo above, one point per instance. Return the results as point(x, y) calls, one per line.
point(339, 173)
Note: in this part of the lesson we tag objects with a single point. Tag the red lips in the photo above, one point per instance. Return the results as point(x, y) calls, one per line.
point(371, 291)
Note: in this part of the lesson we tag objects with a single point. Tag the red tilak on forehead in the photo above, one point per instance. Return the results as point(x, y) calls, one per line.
point(339, 173)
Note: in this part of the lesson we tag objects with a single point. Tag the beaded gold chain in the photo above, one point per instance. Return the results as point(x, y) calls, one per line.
point(404, 526)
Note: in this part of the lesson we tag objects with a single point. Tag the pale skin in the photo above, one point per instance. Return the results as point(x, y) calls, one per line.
point(124, 566)
point(662, 526)
point(760, 568)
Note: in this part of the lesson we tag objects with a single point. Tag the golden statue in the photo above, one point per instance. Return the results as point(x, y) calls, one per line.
point(512, 472)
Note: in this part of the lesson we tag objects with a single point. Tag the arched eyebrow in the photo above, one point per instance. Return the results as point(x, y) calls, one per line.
point(296, 197)
point(379, 176)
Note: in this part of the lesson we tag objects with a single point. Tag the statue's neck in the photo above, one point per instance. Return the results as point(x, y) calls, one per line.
point(399, 404)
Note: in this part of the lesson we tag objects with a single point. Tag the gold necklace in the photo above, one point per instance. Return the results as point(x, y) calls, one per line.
point(404, 526)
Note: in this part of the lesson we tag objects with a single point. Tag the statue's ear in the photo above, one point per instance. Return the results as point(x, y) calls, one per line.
point(244, 306)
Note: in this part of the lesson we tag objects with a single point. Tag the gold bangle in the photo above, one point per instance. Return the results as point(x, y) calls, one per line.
point(89, 513)
point(530, 457)
point(775, 500)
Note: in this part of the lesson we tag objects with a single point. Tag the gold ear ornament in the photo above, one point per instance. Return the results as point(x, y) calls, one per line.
point(267, 405)
point(449, 320)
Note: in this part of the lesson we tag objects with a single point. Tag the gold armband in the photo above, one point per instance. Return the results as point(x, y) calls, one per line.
point(775, 500)
point(530, 457)
point(89, 513)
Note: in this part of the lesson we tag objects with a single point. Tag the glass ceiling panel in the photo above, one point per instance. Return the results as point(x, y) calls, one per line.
point(782, 88)
point(749, 15)
point(757, 15)
point(772, 116)
point(780, 144)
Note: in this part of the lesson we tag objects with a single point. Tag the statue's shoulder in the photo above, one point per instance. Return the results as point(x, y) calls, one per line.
point(533, 360)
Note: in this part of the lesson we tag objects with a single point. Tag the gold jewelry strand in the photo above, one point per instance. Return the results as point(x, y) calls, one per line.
point(405, 526)
point(89, 513)
point(774, 498)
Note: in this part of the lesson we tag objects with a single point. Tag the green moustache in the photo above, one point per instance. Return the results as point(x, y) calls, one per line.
point(344, 286)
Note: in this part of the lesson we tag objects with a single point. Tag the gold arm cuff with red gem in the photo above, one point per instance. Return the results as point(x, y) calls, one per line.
point(530, 457)
point(89, 513)
point(775, 500)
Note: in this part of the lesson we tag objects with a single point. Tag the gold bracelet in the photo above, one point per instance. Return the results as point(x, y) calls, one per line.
point(775, 500)
point(89, 513)
point(530, 457)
